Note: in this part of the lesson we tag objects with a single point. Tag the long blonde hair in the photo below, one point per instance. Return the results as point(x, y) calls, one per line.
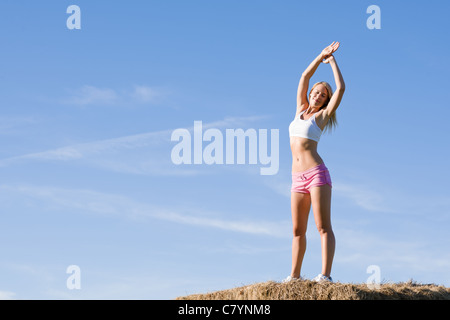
point(332, 122)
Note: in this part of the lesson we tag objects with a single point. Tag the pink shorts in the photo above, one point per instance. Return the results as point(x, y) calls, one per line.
point(315, 177)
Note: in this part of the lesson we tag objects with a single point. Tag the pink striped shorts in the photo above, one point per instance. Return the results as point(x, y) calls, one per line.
point(315, 177)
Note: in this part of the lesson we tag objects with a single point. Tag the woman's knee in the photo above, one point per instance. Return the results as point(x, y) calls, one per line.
point(324, 229)
point(299, 231)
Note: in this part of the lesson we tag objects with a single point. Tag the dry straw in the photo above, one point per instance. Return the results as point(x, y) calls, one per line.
point(309, 290)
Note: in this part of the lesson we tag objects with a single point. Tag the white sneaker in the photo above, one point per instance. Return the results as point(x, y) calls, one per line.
point(290, 278)
point(322, 278)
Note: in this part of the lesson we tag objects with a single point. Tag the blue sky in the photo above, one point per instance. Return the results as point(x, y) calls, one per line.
point(86, 120)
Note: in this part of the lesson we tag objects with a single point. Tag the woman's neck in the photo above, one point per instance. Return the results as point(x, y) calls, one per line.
point(310, 110)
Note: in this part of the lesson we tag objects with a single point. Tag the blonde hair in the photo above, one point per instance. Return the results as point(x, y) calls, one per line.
point(332, 122)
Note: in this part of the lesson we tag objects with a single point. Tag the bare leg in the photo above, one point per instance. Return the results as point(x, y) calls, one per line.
point(321, 203)
point(300, 206)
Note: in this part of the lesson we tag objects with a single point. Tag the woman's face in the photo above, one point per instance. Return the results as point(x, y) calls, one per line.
point(318, 96)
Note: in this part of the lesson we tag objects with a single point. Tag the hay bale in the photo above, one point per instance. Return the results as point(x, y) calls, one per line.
point(309, 290)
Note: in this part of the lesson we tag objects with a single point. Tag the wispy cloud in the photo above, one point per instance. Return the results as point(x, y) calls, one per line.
point(89, 95)
point(7, 295)
point(84, 150)
point(362, 196)
point(359, 195)
point(114, 205)
point(414, 257)
point(10, 125)
point(276, 229)
point(146, 94)
point(392, 199)
point(151, 151)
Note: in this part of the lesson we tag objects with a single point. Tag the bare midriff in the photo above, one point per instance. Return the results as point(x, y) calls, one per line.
point(304, 154)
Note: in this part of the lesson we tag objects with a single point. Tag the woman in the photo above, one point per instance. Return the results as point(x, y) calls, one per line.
point(311, 182)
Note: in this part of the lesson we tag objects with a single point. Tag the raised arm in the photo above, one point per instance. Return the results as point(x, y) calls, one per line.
point(340, 87)
point(302, 91)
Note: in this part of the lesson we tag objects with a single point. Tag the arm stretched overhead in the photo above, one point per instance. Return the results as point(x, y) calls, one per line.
point(340, 87)
point(302, 92)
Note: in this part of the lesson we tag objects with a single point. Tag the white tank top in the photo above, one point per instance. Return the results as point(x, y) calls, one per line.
point(305, 128)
